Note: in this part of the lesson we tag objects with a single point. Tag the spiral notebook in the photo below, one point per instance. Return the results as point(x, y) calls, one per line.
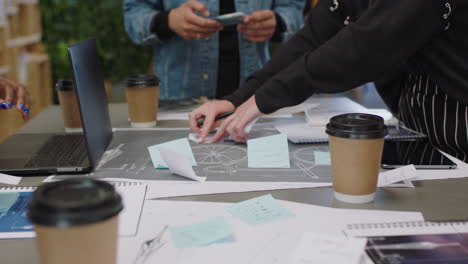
point(405, 228)
point(14, 200)
point(302, 133)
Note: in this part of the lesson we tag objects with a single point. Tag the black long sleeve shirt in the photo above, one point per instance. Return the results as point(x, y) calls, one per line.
point(362, 41)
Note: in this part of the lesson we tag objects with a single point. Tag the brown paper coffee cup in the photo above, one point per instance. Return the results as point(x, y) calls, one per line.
point(143, 97)
point(91, 244)
point(76, 221)
point(69, 105)
point(356, 145)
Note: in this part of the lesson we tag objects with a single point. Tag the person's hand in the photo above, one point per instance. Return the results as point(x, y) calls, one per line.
point(186, 23)
point(235, 124)
point(14, 95)
point(259, 26)
point(209, 111)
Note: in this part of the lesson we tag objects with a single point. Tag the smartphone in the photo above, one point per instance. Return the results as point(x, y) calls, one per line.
point(230, 19)
point(420, 153)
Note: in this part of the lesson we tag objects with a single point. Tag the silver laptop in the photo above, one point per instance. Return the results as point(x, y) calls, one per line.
point(42, 154)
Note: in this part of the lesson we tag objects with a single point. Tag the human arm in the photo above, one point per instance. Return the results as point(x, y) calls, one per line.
point(319, 28)
point(388, 33)
point(147, 22)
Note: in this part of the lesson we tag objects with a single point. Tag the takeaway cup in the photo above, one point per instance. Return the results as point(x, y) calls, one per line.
point(356, 145)
point(69, 105)
point(143, 97)
point(75, 221)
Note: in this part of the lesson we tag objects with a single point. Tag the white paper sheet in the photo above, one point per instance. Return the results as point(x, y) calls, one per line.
point(265, 244)
point(179, 164)
point(315, 248)
point(396, 175)
point(173, 116)
point(9, 179)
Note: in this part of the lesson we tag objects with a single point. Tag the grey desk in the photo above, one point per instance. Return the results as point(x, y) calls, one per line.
point(438, 200)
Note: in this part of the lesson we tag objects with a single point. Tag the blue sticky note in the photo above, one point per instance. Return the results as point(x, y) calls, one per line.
point(268, 152)
point(322, 158)
point(7, 200)
point(259, 210)
point(181, 146)
point(215, 230)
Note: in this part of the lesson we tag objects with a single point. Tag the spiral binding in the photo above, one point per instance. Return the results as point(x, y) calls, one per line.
point(409, 224)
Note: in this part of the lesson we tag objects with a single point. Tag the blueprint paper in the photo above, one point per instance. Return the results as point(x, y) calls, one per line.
point(220, 162)
point(201, 234)
point(179, 164)
point(7, 200)
point(259, 210)
point(181, 146)
point(268, 152)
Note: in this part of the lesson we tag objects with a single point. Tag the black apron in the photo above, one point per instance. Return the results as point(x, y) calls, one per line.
point(425, 107)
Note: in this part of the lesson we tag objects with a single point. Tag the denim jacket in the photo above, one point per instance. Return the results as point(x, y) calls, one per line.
point(189, 68)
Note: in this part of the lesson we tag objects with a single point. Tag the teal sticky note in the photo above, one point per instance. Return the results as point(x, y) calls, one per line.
point(7, 200)
point(322, 158)
point(181, 146)
point(268, 152)
point(259, 210)
point(215, 230)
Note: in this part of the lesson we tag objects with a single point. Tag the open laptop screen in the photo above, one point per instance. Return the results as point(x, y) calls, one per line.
point(92, 101)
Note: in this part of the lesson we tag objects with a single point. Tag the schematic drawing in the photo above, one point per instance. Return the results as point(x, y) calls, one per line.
point(223, 160)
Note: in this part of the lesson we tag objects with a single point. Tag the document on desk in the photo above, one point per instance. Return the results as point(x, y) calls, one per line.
point(396, 175)
point(316, 248)
point(259, 244)
point(179, 164)
point(9, 179)
point(14, 223)
point(268, 152)
point(259, 210)
point(181, 146)
point(7, 200)
point(301, 132)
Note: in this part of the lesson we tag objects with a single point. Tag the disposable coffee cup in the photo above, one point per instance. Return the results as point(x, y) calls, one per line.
point(69, 105)
point(143, 98)
point(356, 145)
point(76, 221)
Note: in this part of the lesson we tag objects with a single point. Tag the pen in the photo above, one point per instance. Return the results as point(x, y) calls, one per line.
point(218, 117)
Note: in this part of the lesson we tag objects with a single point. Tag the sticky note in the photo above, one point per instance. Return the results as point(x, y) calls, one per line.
point(181, 146)
point(259, 210)
point(215, 230)
point(7, 200)
point(268, 152)
point(322, 158)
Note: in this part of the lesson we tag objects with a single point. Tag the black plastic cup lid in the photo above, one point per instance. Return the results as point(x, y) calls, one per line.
point(142, 80)
point(357, 126)
point(65, 85)
point(73, 202)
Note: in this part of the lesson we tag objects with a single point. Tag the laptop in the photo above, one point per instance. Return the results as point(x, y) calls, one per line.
point(42, 154)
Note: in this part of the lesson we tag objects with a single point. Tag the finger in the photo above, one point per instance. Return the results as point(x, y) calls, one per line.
point(22, 102)
point(196, 28)
point(207, 126)
point(267, 24)
point(200, 7)
point(221, 133)
point(258, 38)
point(258, 33)
point(260, 15)
point(201, 22)
point(193, 118)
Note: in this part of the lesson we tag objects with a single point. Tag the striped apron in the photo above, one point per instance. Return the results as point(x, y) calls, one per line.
point(426, 108)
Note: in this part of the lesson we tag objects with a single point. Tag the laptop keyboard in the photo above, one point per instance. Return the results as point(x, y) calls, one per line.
point(60, 151)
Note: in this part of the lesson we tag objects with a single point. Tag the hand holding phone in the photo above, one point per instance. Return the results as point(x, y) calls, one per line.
point(230, 19)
